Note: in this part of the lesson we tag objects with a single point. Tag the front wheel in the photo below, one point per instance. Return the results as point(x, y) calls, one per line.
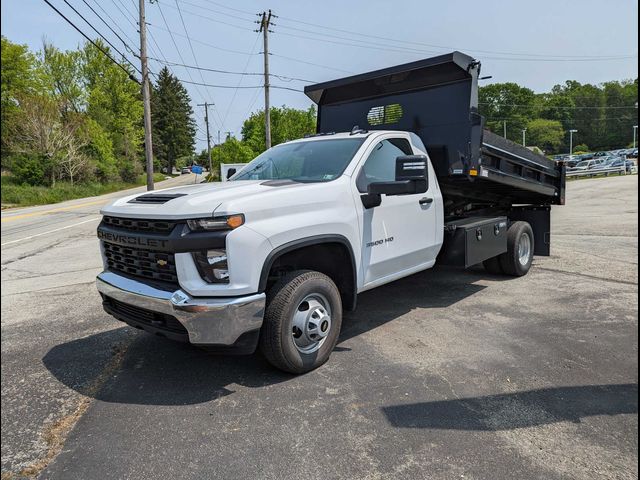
point(302, 321)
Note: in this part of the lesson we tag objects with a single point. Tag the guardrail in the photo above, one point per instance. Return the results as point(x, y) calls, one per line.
point(621, 170)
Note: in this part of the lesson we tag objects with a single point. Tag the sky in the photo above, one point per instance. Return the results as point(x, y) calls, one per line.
point(535, 44)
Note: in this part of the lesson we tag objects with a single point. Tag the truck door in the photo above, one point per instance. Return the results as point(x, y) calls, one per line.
point(400, 235)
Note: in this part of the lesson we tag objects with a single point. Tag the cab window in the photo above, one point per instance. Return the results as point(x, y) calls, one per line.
point(381, 164)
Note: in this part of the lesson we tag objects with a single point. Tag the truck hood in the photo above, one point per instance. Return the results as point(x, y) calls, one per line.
point(194, 201)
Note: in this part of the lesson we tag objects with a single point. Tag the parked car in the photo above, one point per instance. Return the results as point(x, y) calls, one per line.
point(619, 162)
point(586, 165)
point(185, 170)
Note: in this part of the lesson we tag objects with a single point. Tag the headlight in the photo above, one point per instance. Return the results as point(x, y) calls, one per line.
point(217, 223)
point(212, 265)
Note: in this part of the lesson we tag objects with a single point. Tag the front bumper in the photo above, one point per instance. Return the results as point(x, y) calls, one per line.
point(210, 321)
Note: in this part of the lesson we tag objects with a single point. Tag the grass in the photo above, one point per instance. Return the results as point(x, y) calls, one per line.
point(15, 194)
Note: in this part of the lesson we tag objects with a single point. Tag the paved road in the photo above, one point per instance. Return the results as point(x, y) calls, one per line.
point(444, 374)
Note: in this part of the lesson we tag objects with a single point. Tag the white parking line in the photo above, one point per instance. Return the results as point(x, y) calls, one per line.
point(50, 231)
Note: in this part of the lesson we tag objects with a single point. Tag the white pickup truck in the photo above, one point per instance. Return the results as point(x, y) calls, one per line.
point(272, 257)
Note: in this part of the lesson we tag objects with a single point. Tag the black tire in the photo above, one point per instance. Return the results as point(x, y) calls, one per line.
point(276, 338)
point(492, 265)
point(509, 261)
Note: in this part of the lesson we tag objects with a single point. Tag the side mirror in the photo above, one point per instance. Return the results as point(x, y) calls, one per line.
point(411, 178)
point(230, 173)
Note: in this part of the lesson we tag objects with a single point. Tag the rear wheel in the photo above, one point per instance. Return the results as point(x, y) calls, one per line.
point(518, 258)
point(302, 321)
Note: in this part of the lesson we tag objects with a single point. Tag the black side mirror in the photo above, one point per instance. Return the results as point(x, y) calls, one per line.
point(411, 178)
point(230, 173)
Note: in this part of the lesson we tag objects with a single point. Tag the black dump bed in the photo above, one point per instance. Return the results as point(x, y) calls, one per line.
point(437, 98)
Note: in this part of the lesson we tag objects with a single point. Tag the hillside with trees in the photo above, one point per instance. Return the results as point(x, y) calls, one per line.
point(604, 114)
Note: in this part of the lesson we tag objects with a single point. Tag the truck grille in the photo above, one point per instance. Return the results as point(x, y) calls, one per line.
point(141, 316)
point(141, 263)
point(137, 225)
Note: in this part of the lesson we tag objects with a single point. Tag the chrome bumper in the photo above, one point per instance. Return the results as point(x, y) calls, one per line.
point(208, 321)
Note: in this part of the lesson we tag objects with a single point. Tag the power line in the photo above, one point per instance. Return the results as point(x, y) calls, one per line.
point(279, 87)
point(230, 8)
point(126, 45)
point(104, 52)
point(228, 72)
point(195, 59)
point(177, 48)
point(202, 42)
point(406, 50)
point(235, 92)
point(553, 106)
point(310, 63)
point(219, 12)
point(449, 48)
point(101, 36)
point(199, 15)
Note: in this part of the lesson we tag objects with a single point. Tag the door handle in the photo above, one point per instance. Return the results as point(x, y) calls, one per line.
point(425, 200)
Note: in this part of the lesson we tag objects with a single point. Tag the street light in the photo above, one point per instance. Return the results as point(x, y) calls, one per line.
point(571, 132)
point(524, 137)
point(635, 129)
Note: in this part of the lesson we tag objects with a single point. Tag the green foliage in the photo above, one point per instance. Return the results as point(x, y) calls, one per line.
point(15, 193)
point(29, 169)
point(286, 124)
point(500, 101)
point(19, 77)
point(173, 126)
point(603, 114)
point(231, 151)
point(74, 112)
point(545, 134)
point(582, 148)
point(100, 148)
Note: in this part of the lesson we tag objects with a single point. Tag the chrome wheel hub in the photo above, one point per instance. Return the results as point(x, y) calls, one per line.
point(311, 323)
point(524, 249)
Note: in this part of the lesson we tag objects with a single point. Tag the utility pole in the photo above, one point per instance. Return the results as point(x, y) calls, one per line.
point(206, 120)
point(635, 130)
point(505, 129)
point(219, 154)
point(524, 137)
point(146, 98)
point(228, 135)
point(265, 23)
point(571, 132)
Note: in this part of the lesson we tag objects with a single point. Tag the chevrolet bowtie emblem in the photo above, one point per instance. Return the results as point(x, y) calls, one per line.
point(161, 262)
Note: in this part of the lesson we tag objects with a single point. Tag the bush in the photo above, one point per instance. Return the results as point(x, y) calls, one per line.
point(581, 148)
point(28, 169)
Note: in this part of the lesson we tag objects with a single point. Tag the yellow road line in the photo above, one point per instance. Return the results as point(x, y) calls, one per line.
point(44, 212)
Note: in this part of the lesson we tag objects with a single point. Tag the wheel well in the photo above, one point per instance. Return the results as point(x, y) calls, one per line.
point(334, 259)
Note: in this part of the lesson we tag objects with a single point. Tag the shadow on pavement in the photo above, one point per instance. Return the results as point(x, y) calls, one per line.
point(156, 371)
point(517, 410)
point(439, 287)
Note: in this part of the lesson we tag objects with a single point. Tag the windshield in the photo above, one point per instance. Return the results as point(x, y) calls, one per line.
point(306, 161)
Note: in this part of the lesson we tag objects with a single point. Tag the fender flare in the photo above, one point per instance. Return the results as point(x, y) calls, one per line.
point(306, 242)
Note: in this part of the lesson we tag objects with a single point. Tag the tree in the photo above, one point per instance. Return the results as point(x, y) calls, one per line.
point(62, 75)
point(581, 148)
point(286, 124)
point(545, 134)
point(174, 128)
point(231, 151)
point(508, 102)
point(114, 102)
point(41, 133)
point(19, 77)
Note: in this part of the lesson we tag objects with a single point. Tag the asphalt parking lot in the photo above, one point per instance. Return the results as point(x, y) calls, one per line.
point(444, 374)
